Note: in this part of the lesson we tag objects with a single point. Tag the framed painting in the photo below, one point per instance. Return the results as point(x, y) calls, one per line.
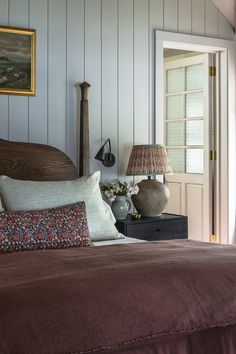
point(17, 61)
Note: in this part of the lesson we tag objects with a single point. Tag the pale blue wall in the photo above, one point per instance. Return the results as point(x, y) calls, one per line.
point(110, 44)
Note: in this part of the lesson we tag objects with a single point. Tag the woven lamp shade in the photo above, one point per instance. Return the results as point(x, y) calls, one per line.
point(148, 160)
point(153, 195)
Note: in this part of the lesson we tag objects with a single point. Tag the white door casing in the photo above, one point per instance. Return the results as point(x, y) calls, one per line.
point(226, 172)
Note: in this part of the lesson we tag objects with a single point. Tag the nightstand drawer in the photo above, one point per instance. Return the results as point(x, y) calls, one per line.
point(163, 227)
point(158, 231)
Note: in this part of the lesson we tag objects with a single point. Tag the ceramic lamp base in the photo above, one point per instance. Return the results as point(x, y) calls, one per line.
point(151, 199)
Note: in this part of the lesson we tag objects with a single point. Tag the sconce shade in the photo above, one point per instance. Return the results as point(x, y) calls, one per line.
point(101, 154)
point(153, 195)
point(148, 160)
point(107, 158)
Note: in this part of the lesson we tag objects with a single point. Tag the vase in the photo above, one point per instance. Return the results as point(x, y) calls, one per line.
point(120, 207)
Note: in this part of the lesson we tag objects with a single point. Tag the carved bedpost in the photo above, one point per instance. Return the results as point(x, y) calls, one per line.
point(84, 153)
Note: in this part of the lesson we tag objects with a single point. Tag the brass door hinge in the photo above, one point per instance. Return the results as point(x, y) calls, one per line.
point(213, 238)
point(212, 71)
point(213, 155)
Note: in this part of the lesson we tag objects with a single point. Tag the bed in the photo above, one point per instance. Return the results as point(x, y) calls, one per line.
point(173, 297)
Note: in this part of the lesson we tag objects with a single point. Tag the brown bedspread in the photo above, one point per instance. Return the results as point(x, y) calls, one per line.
point(126, 298)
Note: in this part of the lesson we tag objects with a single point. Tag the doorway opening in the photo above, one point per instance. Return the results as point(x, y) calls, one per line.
point(188, 96)
point(195, 120)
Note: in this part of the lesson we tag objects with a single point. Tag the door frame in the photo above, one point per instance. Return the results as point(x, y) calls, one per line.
point(226, 159)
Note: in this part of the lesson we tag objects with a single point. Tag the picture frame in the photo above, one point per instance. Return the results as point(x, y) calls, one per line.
point(17, 61)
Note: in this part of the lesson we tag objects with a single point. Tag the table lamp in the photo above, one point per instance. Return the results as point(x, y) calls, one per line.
point(149, 160)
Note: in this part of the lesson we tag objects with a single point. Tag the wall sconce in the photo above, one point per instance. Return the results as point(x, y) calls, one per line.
point(107, 158)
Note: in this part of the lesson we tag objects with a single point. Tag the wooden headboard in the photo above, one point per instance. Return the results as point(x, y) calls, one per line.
point(38, 162)
point(35, 162)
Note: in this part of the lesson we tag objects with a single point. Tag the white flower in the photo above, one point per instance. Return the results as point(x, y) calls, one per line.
point(116, 187)
point(110, 195)
point(132, 189)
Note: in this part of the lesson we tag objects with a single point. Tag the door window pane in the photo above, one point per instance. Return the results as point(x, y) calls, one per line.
point(194, 132)
point(194, 161)
point(174, 107)
point(176, 157)
point(185, 110)
point(175, 134)
point(194, 77)
point(174, 80)
point(194, 105)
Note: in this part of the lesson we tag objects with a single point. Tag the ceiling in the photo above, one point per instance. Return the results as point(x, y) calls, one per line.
point(227, 8)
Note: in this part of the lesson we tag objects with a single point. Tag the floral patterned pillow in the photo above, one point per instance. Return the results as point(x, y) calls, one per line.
point(59, 227)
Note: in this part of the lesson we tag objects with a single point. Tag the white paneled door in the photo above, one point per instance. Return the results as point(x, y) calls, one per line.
point(188, 129)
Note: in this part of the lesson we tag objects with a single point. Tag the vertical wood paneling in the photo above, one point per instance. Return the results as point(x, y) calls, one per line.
point(93, 75)
point(75, 70)
point(198, 17)
point(184, 16)
point(211, 28)
point(171, 15)
point(125, 83)
point(156, 21)
point(4, 98)
point(38, 105)
point(18, 105)
point(156, 14)
point(57, 74)
point(141, 72)
point(110, 44)
point(225, 30)
point(109, 79)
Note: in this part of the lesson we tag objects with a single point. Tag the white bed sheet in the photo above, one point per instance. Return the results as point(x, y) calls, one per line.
point(117, 242)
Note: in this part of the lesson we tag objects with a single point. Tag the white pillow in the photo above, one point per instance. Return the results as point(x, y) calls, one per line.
point(31, 195)
point(109, 212)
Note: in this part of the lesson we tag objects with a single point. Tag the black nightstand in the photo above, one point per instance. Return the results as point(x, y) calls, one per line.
point(163, 227)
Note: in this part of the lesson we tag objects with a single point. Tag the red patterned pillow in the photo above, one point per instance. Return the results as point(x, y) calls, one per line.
point(44, 229)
